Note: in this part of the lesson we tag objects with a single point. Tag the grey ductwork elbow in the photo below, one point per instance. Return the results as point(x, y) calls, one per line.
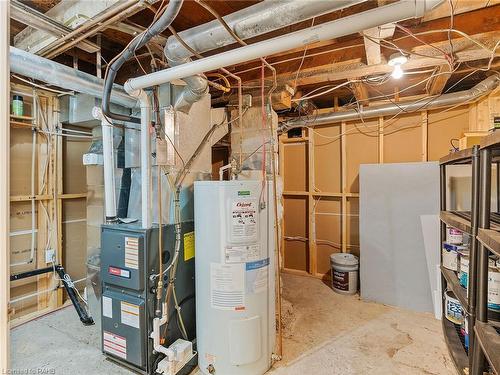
point(196, 87)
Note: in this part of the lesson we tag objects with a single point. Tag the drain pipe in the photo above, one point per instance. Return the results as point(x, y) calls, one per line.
point(109, 165)
point(446, 100)
point(249, 22)
point(394, 12)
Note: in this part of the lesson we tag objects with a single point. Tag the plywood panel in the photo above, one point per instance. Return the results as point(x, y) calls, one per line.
point(327, 217)
point(443, 126)
point(360, 149)
point(20, 161)
point(403, 139)
point(74, 171)
point(295, 227)
point(327, 158)
point(352, 211)
point(74, 225)
point(295, 166)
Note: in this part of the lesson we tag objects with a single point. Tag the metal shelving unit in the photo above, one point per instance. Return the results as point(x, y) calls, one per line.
point(466, 222)
point(487, 331)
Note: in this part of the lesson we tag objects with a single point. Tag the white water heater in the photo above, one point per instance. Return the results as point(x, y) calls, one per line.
point(235, 295)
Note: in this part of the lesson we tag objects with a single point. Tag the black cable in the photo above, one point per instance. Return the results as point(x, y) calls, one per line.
point(139, 41)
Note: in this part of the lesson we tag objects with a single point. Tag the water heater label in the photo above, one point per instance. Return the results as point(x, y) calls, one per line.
point(257, 276)
point(227, 286)
point(244, 219)
point(132, 252)
point(242, 253)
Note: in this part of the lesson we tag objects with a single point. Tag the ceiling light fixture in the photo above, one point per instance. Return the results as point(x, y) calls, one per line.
point(396, 61)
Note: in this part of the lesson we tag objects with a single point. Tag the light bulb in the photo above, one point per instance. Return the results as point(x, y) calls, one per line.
point(397, 73)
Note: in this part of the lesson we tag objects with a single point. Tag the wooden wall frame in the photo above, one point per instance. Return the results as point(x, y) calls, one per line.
point(346, 197)
point(49, 196)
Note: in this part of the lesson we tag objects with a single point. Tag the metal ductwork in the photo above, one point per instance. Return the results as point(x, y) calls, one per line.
point(446, 100)
point(393, 12)
point(255, 20)
point(51, 72)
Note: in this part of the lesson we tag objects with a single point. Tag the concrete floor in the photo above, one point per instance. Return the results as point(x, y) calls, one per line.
point(324, 333)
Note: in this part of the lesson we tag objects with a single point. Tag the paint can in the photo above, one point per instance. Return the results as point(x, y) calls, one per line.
point(449, 256)
point(17, 105)
point(463, 270)
point(493, 286)
point(344, 271)
point(454, 236)
point(454, 311)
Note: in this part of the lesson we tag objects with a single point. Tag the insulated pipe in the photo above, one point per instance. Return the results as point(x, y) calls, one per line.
point(109, 165)
point(167, 17)
point(41, 69)
point(394, 12)
point(249, 22)
point(445, 100)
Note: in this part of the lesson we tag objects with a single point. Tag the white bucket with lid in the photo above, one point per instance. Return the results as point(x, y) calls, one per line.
point(344, 273)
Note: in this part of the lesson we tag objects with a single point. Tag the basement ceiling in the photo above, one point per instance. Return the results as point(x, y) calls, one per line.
point(433, 51)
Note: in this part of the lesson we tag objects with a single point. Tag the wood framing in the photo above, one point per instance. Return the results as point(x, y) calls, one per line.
point(35, 296)
point(320, 174)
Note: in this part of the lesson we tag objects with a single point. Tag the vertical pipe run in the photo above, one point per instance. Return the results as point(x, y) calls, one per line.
point(109, 165)
point(146, 215)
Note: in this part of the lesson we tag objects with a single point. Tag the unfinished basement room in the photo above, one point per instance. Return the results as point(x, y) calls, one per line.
point(250, 187)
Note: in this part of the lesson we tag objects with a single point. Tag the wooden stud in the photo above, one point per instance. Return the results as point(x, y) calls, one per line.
point(381, 140)
point(313, 266)
point(281, 167)
point(343, 171)
point(425, 133)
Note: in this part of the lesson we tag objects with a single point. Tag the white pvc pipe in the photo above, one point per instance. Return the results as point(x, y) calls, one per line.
point(395, 12)
point(146, 196)
point(108, 156)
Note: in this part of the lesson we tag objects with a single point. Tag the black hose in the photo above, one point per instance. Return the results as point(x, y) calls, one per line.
point(139, 41)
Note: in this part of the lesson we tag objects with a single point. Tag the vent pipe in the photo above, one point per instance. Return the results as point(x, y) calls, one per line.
point(394, 12)
point(53, 73)
point(446, 100)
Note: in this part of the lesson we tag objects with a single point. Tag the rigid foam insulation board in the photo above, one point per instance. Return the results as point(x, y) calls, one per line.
point(327, 230)
point(327, 159)
point(295, 166)
point(393, 267)
point(295, 251)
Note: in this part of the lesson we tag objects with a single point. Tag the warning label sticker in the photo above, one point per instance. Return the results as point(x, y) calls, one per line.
point(132, 252)
point(188, 246)
point(227, 286)
point(129, 314)
point(244, 220)
point(107, 307)
point(242, 253)
point(257, 276)
point(114, 344)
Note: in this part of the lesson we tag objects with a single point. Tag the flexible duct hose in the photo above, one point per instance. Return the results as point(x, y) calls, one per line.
point(139, 41)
